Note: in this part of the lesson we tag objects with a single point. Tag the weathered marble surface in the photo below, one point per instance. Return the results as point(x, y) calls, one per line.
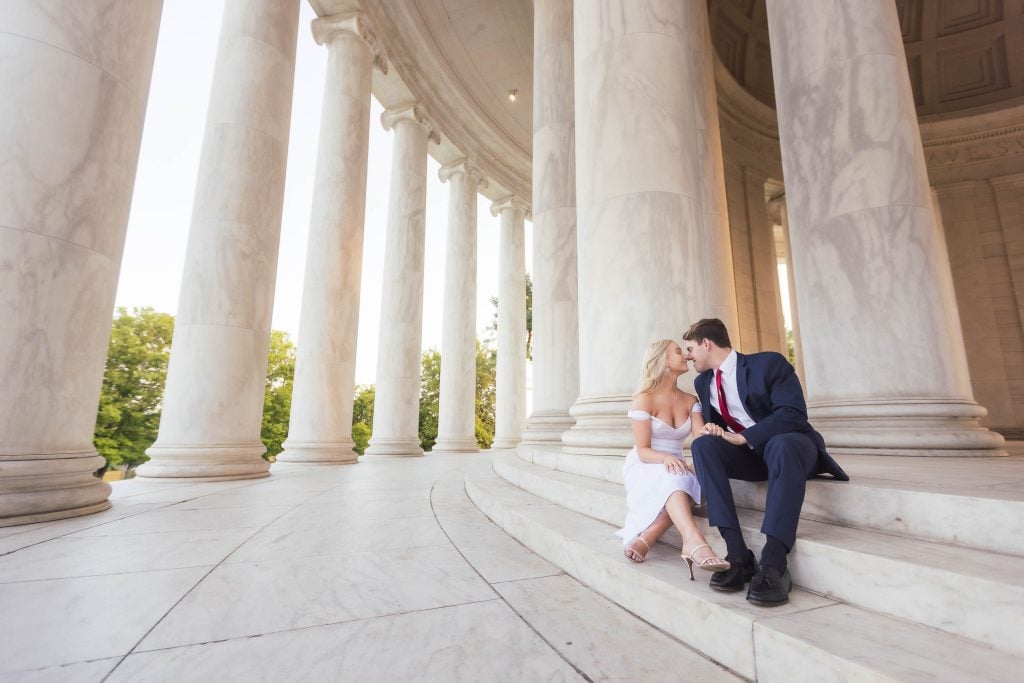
point(213, 403)
point(865, 238)
point(456, 413)
point(396, 402)
point(555, 314)
point(74, 82)
point(320, 427)
point(510, 403)
point(653, 237)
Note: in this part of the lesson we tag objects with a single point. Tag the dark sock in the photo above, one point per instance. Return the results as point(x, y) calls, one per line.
point(734, 544)
point(774, 554)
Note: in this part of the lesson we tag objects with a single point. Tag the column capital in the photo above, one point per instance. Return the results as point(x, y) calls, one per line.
point(462, 165)
point(413, 113)
point(328, 29)
point(510, 202)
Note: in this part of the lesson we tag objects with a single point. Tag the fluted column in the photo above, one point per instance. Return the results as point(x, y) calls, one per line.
point(653, 236)
point(213, 404)
point(883, 352)
point(320, 428)
point(74, 88)
point(556, 374)
point(456, 413)
point(396, 401)
point(510, 381)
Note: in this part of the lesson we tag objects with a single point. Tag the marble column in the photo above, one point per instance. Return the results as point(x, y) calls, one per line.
point(885, 365)
point(556, 375)
point(510, 404)
point(653, 238)
point(794, 312)
point(456, 412)
point(74, 86)
point(320, 428)
point(396, 401)
point(213, 404)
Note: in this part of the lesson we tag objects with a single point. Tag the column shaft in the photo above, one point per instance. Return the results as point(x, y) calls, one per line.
point(213, 404)
point(396, 402)
point(556, 375)
point(510, 404)
point(320, 428)
point(653, 240)
point(883, 351)
point(74, 98)
point(456, 415)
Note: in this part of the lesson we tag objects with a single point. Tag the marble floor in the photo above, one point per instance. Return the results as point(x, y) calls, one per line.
point(378, 571)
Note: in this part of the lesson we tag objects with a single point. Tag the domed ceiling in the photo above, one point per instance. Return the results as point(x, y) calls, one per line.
point(960, 53)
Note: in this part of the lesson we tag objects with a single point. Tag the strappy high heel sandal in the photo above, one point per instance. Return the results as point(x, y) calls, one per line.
point(630, 548)
point(711, 564)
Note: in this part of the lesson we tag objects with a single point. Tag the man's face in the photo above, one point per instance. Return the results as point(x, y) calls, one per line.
point(699, 352)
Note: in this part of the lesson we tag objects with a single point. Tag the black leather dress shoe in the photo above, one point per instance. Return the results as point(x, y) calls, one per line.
point(733, 578)
point(768, 588)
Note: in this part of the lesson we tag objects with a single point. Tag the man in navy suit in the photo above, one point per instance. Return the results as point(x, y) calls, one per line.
point(757, 430)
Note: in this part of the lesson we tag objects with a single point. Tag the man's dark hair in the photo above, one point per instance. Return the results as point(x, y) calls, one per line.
point(709, 328)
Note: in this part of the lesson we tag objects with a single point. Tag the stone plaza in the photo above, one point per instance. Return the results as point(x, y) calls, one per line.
point(670, 156)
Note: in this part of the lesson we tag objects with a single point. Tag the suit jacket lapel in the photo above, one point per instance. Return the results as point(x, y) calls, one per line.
point(741, 379)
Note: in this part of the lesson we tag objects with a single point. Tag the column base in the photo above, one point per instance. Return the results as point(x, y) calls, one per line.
point(392, 448)
point(319, 452)
point(547, 427)
point(448, 445)
point(205, 463)
point(602, 427)
point(906, 428)
point(42, 488)
point(502, 442)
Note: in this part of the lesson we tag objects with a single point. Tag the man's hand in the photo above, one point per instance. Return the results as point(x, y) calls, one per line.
point(711, 429)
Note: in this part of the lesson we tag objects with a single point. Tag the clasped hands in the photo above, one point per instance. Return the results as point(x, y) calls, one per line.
point(711, 429)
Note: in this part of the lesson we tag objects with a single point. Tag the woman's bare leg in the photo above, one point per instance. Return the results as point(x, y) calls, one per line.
point(679, 510)
point(636, 550)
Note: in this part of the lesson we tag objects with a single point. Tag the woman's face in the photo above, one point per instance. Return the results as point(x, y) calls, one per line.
point(676, 359)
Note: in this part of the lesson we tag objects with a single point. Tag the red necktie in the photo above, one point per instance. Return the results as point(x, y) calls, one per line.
point(723, 408)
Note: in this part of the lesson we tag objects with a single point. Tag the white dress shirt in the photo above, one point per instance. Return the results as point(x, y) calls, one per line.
point(737, 410)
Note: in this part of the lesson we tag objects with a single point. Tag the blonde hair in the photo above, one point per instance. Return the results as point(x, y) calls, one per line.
point(655, 365)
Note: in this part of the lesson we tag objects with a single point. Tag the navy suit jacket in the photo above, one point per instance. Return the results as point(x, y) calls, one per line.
point(771, 393)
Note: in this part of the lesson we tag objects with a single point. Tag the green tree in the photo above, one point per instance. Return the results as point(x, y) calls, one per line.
point(277, 396)
point(133, 386)
point(492, 329)
point(486, 374)
point(362, 417)
point(430, 391)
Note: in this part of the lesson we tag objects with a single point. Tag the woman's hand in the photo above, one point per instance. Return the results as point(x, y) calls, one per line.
point(711, 429)
point(674, 465)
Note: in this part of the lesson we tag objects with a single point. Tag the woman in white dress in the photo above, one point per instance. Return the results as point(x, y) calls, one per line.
point(661, 488)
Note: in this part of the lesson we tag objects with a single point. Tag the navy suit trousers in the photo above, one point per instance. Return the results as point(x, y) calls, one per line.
point(789, 461)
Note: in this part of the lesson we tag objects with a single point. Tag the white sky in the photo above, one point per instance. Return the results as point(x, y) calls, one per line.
point(158, 228)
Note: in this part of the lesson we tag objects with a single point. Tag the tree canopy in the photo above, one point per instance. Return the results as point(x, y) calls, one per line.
point(133, 386)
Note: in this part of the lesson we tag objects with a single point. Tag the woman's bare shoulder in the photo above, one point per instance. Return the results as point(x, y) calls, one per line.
point(643, 402)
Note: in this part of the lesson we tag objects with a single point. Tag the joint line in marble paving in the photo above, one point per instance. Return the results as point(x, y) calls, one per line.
point(329, 624)
point(94, 526)
point(194, 586)
point(523, 619)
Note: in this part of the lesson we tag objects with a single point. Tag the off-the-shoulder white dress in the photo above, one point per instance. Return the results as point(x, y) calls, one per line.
point(648, 485)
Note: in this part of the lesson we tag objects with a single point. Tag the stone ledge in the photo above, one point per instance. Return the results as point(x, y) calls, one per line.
point(971, 502)
point(812, 637)
point(967, 592)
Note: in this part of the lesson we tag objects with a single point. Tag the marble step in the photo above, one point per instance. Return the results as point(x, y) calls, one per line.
point(935, 499)
point(812, 638)
point(971, 593)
